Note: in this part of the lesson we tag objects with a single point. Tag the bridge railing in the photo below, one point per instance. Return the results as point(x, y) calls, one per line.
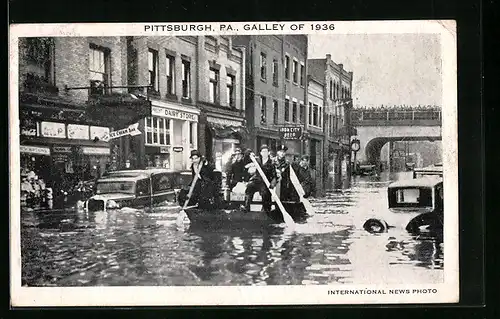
point(392, 115)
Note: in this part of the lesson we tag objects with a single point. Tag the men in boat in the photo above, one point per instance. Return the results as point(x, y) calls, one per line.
point(287, 191)
point(204, 192)
point(236, 172)
point(303, 173)
point(257, 183)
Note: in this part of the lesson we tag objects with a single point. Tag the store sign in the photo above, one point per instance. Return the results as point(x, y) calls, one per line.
point(98, 131)
point(76, 131)
point(164, 150)
point(96, 151)
point(290, 133)
point(132, 130)
point(178, 149)
point(174, 114)
point(40, 150)
point(28, 127)
point(52, 129)
point(226, 122)
point(61, 149)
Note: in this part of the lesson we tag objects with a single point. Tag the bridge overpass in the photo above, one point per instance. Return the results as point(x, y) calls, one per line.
point(377, 127)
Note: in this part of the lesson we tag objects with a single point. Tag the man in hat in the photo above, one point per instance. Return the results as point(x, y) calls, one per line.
point(236, 172)
point(257, 184)
point(204, 189)
point(304, 176)
point(287, 191)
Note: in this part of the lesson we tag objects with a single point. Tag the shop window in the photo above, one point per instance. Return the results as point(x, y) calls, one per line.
point(275, 112)
point(186, 79)
point(98, 69)
point(157, 131)
point(263, 66)
point(275, 72)
point(230, 90)
point(263, 110)
point(153, 69)
point(287, 67)
point(315, 115)
point(302, 113)
point(192, 133)
point(295, 71)
point(287, 110)
point(302, 74)
point(170, 73)
point(294, 112)
point(214, 86)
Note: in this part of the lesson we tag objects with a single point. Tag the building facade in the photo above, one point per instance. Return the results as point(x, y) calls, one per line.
point(315, 128)
point(276, 89)
point(337, 120)
point(63, 117)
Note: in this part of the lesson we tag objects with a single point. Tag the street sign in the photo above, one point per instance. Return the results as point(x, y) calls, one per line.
point(178, 149)
point(290, 132)
point(132, 130)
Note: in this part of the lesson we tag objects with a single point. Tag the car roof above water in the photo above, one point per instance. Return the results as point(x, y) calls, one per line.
point(135, 174)
point(427, 181)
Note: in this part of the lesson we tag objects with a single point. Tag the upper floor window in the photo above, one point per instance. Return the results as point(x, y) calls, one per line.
point(287, 67)
point(263, 66)
point(294, 112)
point(186, 79)
point(331, 89)
point(214, 86)
point(230, 90)
point(263, 110)
point(287, 110)
point(275, 112)
point(315, 115)
point(275, 72)
point(302, 113)
point(170, 73)
point(302, 74)
point(98, 69)
point(310, 113)
point(154, 79)
point(40, 54)
point(295, 71)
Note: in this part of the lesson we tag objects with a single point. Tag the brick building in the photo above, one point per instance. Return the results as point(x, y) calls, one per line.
point(276, 88)
point(63, 114)
point(337, 125)
point(315, 128)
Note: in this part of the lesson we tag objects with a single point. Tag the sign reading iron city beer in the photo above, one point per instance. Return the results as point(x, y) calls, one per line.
point(290, 133)
point(52, 129)
point(170, 113)
point(131, 130)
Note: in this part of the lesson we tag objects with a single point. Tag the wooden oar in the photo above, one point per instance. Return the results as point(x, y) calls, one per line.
point(182, 213)
point(286, 217)
point(300, 191)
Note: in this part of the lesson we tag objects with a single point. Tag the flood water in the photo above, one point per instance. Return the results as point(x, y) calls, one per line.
point(134, 248)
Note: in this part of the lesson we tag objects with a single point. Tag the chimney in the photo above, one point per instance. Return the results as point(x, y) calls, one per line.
point(328, 57)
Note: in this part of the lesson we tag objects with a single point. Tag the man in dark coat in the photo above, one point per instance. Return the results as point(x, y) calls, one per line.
point(236, 171)
point(204, 192)
point(257, 184)
point(287, 191)
point(304, 176)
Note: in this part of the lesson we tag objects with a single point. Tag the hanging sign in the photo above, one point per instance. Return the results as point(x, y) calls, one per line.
point(178, 149)
point(39, 150)
point(132, 130)
point(52, 129)
point(76, 131)
point(290, 133)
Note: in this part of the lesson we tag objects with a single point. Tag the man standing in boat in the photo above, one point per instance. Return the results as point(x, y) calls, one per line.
point(236, 172)
point(304, 176)
point(287, 191)
point(204, 189)
point(257, 184)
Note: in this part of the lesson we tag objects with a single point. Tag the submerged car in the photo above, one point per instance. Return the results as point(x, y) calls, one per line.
point(414, 205)
point(133, 188)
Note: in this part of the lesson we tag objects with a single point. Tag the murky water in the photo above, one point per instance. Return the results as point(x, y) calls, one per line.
point(130, 247)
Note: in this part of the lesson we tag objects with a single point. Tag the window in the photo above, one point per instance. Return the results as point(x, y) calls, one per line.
point(263, 66)
point(294, 112)
point(170, 71)
point(275, 72)
point(230, 90)
point(295, 71)
point(407, 196)
point(287, 67)
point(157, 131)
point(263, 110)
point(275, 112)
point(302, 113)
point(214, 86)
point(320, 116)
point(153, 69)
point(40, 52)
point(331, 90)
point(302, 74)
point(315, 115)
point(161, 182)
point(186, 79)
point(192, 133)
point(98, 69)
point(287, 110)
point(310, 113)
point(143, 187)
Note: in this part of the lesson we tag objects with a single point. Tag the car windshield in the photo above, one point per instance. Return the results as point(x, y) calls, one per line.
point(115, 187)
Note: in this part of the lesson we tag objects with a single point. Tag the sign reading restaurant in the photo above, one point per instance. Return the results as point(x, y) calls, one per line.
point(174, 114)
point(290, 133)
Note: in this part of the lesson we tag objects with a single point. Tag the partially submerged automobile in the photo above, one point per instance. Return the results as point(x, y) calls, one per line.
point(415, 205)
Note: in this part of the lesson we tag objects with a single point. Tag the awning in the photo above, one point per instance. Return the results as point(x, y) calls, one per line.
point(228, 131)
point(118, 109)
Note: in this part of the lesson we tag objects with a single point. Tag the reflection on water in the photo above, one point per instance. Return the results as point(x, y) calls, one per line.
point(131, 247)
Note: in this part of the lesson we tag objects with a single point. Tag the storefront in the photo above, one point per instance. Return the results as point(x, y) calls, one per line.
point(224, 134)
point(170, 133)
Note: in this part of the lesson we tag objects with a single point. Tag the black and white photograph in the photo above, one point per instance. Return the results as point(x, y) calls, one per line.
point(233, 163)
